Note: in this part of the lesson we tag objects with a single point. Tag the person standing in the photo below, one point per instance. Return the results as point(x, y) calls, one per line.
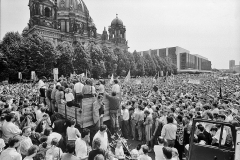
point(72, 133)
point(69, 97)
point(156, 129)
point(132, 115)
point(82, 145)
point(60, 96)
point(88, 89)
point(54, 152)
point(9, 129)
point(101, 88)
point(97, 143)
point(78, 91)
point(11, 153)
point(116, 88)
point(102, 135)
point(32, 152)
point(125, 122)
point(26, 141)
point(114, 108)
point(53, 100)
point(70, 153)
point(158, 148)
point(169, 131)
point(48, 97)
point(97, 111)
point(140, 121)
point(179, 136)
point(148, 126)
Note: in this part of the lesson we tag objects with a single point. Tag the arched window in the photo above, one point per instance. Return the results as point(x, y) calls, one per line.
point(47, 12)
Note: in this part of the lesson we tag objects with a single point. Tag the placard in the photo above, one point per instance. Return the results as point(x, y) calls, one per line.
point(33, 75)
point(19, 75)
point(55, 70)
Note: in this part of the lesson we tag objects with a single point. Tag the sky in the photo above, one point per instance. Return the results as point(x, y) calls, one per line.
point(210, 28)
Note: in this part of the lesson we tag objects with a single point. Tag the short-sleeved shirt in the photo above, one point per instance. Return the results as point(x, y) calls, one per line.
point(72, 133)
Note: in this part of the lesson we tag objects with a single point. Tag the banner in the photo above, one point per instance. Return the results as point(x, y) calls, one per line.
point(33, 75)
point(226, 77)
point(128, 77)
point(55, 74)
point(161, 73)
point(19, 75)
point(194, 81)
point(55, 70)
point(55, 77)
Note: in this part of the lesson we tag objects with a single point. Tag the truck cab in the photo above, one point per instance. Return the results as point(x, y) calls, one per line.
point(220, 148)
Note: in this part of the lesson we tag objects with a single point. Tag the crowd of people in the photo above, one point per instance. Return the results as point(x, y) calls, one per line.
point(158, 113)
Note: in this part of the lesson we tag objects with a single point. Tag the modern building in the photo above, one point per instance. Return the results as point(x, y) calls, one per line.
point(231, 64)
point(70, 21)
point(182, 59)
point(236, 68)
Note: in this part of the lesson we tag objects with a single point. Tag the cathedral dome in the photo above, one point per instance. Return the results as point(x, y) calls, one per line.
point(116, 21)
point(76, 6)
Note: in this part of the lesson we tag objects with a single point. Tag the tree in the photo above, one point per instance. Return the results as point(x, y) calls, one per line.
point(110, 59)
point(65, 58)
point(149, 64)
point(83, 60)
point(139, 62)
point(26, 54)
point(40, 55)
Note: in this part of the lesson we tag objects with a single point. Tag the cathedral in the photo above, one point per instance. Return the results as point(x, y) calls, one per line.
point(69, 21)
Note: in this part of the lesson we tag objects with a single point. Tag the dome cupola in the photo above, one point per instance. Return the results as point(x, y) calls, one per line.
point(116, 21)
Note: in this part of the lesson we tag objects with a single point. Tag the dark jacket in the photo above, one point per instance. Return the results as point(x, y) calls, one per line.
point(114, 102)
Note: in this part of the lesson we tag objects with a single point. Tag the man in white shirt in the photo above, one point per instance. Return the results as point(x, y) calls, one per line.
point(125, 122)
point(169, 131)
point(116, 87)
point(26, 142)
point(11, 153)
point(9, 129)
point(81, 147)
point(158, 149)
point(102, 135)
point(217, 135)
point(39, 113)
point(78, 91)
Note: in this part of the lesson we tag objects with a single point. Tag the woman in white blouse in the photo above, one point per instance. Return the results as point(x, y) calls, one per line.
point(69, 97)
point(73, 133)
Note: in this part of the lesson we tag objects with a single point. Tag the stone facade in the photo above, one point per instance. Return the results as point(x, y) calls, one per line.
point(69, 20)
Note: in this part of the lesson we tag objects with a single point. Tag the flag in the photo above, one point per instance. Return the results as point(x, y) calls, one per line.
point(128, 77)
point(111, 80)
